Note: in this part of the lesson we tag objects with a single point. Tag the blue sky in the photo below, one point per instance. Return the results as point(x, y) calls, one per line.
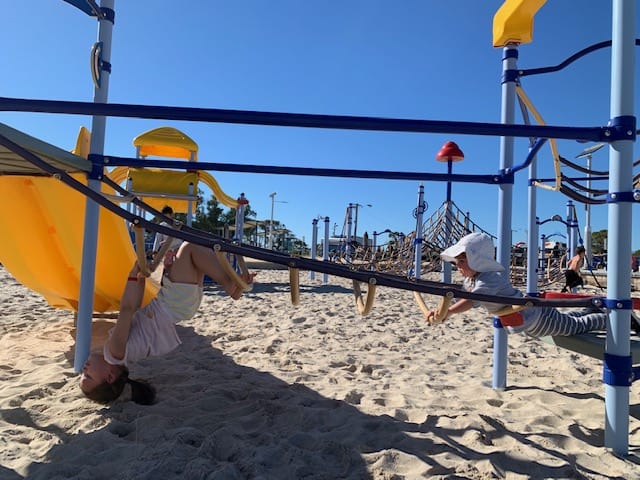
point(421, 59)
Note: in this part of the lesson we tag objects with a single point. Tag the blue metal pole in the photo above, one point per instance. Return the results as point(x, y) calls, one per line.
point(571, 245)
point(314, 242)
point(190, 205)
point(505, 201)
point(543, 254)
point(347, 247)
point(619, 223)
point(532, 233)
point(418, 240)
point(446, 266)
point(92, 209)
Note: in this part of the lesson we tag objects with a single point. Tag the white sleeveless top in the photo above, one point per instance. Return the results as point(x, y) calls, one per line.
point(153, 332)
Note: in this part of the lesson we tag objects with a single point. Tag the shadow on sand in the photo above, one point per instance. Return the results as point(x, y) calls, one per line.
point(216, 419)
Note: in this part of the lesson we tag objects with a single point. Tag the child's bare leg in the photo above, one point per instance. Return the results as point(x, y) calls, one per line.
point(183, 269)
point(194, 261)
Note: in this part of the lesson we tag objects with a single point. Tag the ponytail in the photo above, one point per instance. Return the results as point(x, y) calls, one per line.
point(142, 392)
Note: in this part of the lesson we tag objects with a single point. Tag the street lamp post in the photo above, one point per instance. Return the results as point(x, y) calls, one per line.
point(355, 224)
point(273, 202)
point(587, 153)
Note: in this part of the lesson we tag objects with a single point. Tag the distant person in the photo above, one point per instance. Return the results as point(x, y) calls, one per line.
point(573, 280)
point(149, 331)
point(167, 211)
point(161, 238)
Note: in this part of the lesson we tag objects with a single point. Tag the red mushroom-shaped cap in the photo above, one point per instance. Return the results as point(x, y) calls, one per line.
point(450, 152)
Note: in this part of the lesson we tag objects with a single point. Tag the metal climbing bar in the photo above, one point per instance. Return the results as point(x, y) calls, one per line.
point(305, 120)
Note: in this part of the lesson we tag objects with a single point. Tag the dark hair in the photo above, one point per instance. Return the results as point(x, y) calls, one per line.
point(166, 210)
point(580, 249)
point(142, 392)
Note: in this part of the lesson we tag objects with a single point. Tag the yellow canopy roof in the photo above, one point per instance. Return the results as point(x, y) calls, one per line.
point(166, 142)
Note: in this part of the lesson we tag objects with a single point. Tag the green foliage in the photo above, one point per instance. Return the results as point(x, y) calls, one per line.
point(229, 217)
point(211, 216)
point(598, 241)
point(209, 219)
point(299, 247)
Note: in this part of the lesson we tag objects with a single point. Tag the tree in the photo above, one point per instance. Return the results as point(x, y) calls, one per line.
point(299, 247)
point(229, 217)
point(599, 241)
point(209, 219)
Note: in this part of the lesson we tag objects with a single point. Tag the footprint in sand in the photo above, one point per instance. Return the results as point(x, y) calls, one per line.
point(353, 397)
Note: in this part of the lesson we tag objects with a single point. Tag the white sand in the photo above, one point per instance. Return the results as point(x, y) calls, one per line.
point(263, 389)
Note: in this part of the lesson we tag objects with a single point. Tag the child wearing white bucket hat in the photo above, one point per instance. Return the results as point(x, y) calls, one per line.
point(474, 256)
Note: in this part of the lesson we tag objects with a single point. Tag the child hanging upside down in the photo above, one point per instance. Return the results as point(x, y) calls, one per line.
point(150, 331)
point(474, 257)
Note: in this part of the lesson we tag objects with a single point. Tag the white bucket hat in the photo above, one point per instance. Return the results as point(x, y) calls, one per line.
point(479, 250)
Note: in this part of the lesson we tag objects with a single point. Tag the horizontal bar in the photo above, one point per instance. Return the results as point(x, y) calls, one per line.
point(110, 161)
point(343, 122)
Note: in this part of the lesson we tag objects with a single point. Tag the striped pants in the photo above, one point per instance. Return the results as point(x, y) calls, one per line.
point(554, 322)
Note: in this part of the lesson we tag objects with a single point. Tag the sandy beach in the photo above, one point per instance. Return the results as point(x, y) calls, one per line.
point(262, 389)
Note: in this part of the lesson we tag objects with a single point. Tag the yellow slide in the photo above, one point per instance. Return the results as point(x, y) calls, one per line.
point(43, 228)
point(42, 238)
point(149, 181)
point(41, 243)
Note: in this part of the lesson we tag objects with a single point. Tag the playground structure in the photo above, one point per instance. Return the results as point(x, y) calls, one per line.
point(160, 187)
point(442, 228)
point(44, 254)
point(447, 224)
point(23, 157)
point(418, 251)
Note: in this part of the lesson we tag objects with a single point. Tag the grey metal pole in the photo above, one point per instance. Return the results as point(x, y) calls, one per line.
point(314, 246)
point(505, 202)
point(92, 209)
